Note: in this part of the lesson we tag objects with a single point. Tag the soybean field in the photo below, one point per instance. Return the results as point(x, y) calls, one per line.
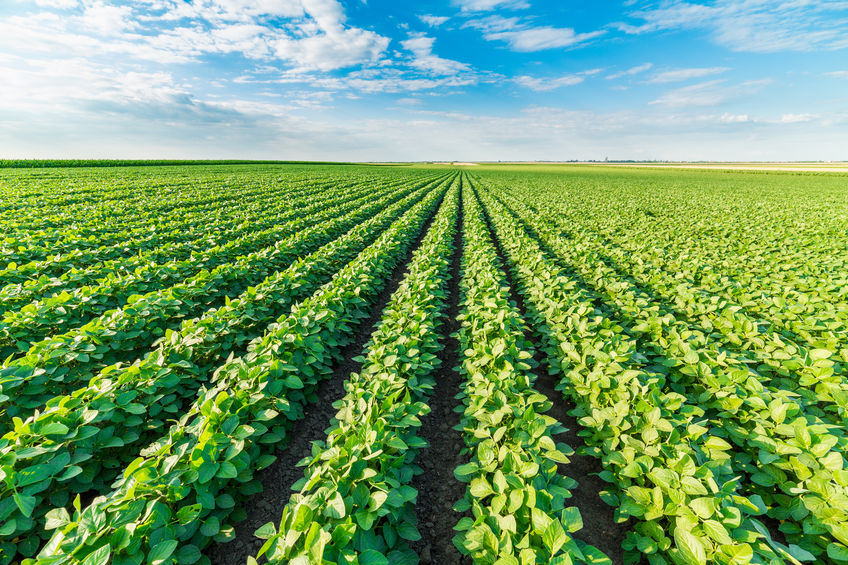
point(227, 363)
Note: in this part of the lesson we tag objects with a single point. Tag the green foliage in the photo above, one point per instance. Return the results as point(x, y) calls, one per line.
point(515, 493)
point(355, 497)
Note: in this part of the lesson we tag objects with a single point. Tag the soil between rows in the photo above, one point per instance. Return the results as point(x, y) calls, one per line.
point(438, 489)
point(278, 478)
point(599, 526)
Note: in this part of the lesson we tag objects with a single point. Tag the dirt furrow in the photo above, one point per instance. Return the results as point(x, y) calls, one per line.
point(599, 526)
point(437, 488)
point(278, 478)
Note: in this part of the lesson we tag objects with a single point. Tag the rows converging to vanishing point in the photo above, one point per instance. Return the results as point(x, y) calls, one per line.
point(231, 363)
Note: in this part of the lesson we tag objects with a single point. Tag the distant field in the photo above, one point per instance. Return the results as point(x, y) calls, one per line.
point(838, 167)
point(497, 364)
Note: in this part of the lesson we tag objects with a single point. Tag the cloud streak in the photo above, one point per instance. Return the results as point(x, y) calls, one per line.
point(679, 75)
point(760, 26)
point(524, 37)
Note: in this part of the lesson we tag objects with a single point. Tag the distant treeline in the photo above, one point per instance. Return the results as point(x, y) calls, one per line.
point(42, 163)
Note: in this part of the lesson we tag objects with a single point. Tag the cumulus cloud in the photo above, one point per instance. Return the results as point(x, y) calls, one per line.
point(424, 59)
point(315, 35)
point(433, 21)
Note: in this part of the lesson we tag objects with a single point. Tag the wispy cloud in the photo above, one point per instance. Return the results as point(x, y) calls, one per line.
point(837, 74)
point(541, 84)
point(488, 5)
point(679, 75)
point(710, 93)
point(523, 36)
point(797, 118)
point(631, 71)
point(753, 25)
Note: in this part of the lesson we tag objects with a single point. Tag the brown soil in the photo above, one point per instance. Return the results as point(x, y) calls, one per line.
point(437, 487)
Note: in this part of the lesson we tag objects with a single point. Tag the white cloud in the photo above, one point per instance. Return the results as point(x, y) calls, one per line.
point(433, 21)
point(837, 74)
point(679, 75)
point(524, 37)
point(373, 80)
point(710, 93)
point(314, 36)
point(333, 49)
point(545, 84)
point(107, 20)
point(631, 71)
point(424, 59)
point(488, 5)
point(754, 25)
point(59, 4)
point(728, 118)
point(797, 118)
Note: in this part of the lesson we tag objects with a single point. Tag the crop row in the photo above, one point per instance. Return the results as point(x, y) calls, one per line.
point(123, 232)
point(355, 501)
point(67, 309)
point(61, 363)
point(789, 457)
point(183, 488)
point(100, 424)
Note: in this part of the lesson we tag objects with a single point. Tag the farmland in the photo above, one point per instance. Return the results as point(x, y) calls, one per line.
point(290, 363)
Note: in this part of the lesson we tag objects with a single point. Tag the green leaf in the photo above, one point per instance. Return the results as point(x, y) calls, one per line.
point(408, 531)
point(837, 552)
point(371, 557)
point(211, 526)
point(717, 443)
point(25, 502)
point(32, 475)
point(266, 531)
point(816, 354)
point(704, 507)
point(57, 518)
point(188, 554)
point(717, 532)
point(187, 514)
point(302, 518)
point(554, 536)
point(691, 548)
point(227, 471)
point(572, 519)
point(54, 428)
point(335, 507)
point(480, 488)
point(464, 471)
point(162, 551)
point(800, 553)
point(98, 557)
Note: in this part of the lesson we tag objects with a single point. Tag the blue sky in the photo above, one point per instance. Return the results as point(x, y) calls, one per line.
point(449, 79)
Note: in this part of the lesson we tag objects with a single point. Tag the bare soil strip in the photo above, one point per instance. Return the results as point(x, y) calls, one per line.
point(438, 489)
point(277, 479)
